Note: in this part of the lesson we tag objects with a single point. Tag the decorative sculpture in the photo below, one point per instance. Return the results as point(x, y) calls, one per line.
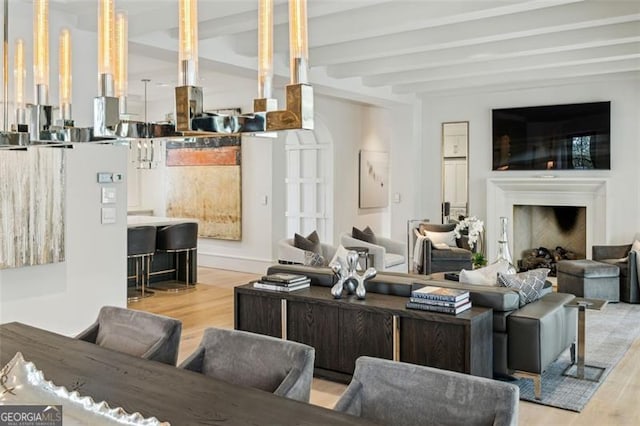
point(349, 278)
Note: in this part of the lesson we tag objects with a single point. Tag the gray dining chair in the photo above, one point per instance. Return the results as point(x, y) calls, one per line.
point(136, 333)
point(274, 365)
point(396, 393)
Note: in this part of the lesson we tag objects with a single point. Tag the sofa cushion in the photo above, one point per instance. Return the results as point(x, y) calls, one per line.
point(484, 276)
point(587, 268)
point(392, 259)
point(453, 253)
point(529, 284)
point(309, 243)
point(446, 238)
point(365, 235)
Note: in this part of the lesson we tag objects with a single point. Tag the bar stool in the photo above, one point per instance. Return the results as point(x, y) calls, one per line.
point(141, 246)
point(178, 238)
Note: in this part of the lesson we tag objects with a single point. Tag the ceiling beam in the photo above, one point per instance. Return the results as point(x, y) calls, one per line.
point(543, 21)
point(607, 35)
point(522, 76)
point(525, 61)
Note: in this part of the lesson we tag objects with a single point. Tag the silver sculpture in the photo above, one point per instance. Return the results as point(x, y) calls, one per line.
point(349, 278)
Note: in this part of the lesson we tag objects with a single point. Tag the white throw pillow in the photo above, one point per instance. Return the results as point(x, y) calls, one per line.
point(448, 238)
point(635, 246)
point(340, 256)
point(484, 276)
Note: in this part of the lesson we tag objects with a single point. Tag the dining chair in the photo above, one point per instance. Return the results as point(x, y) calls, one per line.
point(397, 393)
point(137, 333)
point(274, 365)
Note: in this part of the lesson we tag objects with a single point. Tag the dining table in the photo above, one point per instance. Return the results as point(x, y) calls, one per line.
point(153, 389)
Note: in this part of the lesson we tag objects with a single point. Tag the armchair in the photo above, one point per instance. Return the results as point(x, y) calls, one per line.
point(288, 253)
point(388, 255)
point(627, 260)
point(429, 259)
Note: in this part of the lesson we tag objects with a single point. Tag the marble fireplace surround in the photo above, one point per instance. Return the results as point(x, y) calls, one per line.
point(504, 193)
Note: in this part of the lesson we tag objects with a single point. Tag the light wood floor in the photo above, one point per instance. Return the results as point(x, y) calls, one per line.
point(617, 401)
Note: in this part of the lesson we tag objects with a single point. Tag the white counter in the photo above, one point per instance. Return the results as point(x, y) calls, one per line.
point(135, 220)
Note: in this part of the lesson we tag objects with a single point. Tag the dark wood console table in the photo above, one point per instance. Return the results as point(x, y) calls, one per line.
point(341, 330)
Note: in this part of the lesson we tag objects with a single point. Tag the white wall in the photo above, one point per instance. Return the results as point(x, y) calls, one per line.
point(66, 297)
point(353, 127)
point(624, 202)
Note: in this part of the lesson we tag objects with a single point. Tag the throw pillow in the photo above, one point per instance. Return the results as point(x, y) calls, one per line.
point(484, 276)
point(448, 238)
point(340, 256)
point(309, 243)
point(314, 259)
point(365, 235)
point(529, 284)
point(635, 246)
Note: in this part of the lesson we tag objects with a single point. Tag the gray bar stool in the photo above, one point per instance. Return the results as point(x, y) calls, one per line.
point(141, 246)
point(178, 238)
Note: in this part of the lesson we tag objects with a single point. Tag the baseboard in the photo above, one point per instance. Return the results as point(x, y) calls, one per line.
point(234, 263)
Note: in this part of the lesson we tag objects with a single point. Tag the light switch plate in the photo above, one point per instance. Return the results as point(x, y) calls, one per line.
point(108, 215)
point(105, 177)
point(109, 195)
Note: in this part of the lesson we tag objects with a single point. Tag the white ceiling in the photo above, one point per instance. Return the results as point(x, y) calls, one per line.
point(390, 51)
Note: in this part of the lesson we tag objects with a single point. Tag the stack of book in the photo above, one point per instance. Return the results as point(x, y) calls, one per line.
point(283, 282)
point(439, 299)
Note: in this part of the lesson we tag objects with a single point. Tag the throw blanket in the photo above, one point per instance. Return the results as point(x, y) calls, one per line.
point(417, 250)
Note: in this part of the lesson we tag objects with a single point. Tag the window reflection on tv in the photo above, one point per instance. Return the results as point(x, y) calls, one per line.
point(557, 137)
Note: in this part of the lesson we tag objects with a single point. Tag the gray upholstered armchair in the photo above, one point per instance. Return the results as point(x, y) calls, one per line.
point(429, 259)
point(136, 333)
point(627, 261)
point(288, 253)
point(388, 255)
point(396, 393)
point(273, 365)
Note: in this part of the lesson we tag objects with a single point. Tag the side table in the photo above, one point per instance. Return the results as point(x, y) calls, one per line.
point(364, 257)
point(580, 370)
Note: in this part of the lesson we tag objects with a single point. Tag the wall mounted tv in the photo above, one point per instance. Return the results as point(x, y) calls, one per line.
point(556, 137)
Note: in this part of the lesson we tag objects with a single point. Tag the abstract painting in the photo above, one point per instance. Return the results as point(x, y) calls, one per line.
point(374, 176)
point(204, 183)
point(32, 207)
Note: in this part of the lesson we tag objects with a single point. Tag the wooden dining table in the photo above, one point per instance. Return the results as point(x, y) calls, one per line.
point(153, 389)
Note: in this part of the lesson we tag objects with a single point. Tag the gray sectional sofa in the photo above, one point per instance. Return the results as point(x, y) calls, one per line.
point(525, 339)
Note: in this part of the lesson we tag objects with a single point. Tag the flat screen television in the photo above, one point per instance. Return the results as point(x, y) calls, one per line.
point(555, 137)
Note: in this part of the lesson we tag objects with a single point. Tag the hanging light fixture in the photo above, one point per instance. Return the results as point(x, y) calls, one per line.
point(19, 80)
point(122, 61)
point(64, 79)
point(189, 103)
point(40, 111)
point(299, 94)
point(106, 107)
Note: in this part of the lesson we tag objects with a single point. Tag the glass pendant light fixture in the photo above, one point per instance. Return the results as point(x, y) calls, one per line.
point(298, 113)
point(106, 114)
point(19, 80)
point(40, 111)
point(122, 61)
point(64, 72)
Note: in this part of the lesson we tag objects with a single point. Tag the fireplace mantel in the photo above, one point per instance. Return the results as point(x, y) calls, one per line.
point(504, 193)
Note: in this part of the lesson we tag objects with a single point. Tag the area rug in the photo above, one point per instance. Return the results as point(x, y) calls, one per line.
point(609, 335)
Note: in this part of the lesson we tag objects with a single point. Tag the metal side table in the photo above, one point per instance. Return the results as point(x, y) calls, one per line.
point(579, 369)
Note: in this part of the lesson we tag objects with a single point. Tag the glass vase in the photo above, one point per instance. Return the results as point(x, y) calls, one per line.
point(504, 255)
